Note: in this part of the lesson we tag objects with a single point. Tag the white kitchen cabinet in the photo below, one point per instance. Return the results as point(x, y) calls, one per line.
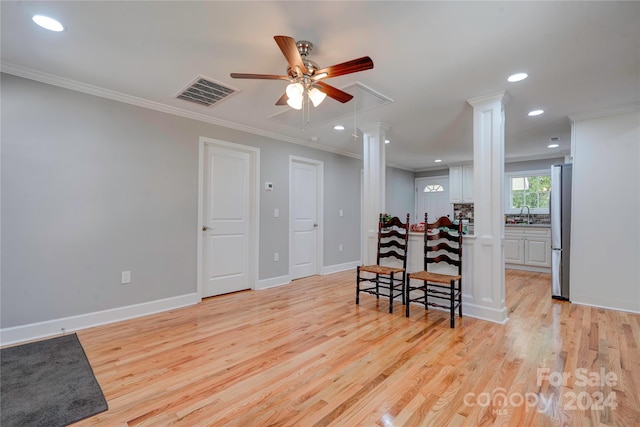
point(537, 251)
point(461, 184)
point(528, 248)
point(467, 184)
point(455, 184)
point(513, 249)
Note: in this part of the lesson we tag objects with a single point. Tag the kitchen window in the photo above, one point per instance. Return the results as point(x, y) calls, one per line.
point(530, 188)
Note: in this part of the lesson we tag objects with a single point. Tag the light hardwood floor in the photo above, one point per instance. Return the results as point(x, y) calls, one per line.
point(305, 354)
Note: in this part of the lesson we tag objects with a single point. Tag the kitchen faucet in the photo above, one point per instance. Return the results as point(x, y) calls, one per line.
point(528, 213)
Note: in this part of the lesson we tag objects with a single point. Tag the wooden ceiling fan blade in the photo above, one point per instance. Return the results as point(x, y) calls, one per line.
point(334, 92)
point(258, 76)
point(290, 51)
point(283, 100)
point(353, 66)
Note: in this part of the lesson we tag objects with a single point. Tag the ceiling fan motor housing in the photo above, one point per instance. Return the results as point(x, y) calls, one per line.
point(304, 47)
point(311, 67)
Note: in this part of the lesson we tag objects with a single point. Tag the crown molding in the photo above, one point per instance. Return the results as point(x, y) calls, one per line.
point(554, 155)
point(396, 166)
point(614, 111)
point(513, 159)
point(77, 86)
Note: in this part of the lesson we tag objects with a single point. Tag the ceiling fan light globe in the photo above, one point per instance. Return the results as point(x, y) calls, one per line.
point(316, 96)
point(295, 91)
point(295, 103)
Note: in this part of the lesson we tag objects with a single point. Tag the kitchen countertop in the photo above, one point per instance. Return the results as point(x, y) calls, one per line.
point(529, 225)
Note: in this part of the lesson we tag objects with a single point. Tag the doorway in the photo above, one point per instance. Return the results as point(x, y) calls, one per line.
point(432, 197)
point(228, 217)
point(305, 213)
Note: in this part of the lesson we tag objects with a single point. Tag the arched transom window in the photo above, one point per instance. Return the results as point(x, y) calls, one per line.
point(433, 188)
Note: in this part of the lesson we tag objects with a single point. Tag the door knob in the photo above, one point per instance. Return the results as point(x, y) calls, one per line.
point(205, 228)
point(315, 225)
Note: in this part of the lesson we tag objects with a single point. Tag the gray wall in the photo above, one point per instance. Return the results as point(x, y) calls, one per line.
point(341, 191)
point(342, 177)
point(399, 192)
point(605, 189)
point(427, 174)
point(92, 187)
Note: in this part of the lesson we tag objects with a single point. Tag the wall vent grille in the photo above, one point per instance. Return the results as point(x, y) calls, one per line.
point(204, 91)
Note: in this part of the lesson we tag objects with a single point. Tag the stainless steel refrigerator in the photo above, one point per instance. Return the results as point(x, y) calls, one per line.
point(560, 208)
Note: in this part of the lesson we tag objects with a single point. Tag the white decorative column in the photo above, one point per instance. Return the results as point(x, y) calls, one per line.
point(374, 184)
point(485, 295)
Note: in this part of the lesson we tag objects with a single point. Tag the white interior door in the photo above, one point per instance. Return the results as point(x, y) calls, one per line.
point(305, 207)
point(432, 197)
point(227, 257)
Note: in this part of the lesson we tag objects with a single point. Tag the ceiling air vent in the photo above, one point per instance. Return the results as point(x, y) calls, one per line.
point(205, 92)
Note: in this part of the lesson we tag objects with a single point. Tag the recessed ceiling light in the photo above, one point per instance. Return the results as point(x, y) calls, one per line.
point(535, 113)
point(553, 145)
point(517, 77)
point(338, 127)
point(48, 23)
point(386, 141)
point(437, 160)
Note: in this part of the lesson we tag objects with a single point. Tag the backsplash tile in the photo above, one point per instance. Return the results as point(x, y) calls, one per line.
point(534, 218)
point(466, 209)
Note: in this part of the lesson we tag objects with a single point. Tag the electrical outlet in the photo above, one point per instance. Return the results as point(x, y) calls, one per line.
point(126, 277)
point(340, 247)
point(341, 212)
point(276, 256)
point(276, 213)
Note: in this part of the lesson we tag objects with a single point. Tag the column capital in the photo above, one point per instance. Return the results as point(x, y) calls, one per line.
point(489, 99)
point(372, 128)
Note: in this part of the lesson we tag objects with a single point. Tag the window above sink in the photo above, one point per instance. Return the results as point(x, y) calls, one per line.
point(527, 189)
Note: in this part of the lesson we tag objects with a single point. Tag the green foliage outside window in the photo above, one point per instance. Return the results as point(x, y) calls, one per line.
point(532, 191)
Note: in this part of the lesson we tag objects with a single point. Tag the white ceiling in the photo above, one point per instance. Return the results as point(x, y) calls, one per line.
point(430, 57)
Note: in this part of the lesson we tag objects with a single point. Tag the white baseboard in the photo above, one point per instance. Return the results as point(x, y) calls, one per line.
point(606, 307)
point(340, 267)
point(471, 310)
point(285, 280)
point(489, 314)
point(533, 268)
point(273, 282)
point(32, 331)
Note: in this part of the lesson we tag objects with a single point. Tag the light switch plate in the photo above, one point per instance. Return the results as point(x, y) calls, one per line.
point(126, 277)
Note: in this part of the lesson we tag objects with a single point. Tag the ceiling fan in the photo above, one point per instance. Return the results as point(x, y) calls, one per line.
point(305, 76)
